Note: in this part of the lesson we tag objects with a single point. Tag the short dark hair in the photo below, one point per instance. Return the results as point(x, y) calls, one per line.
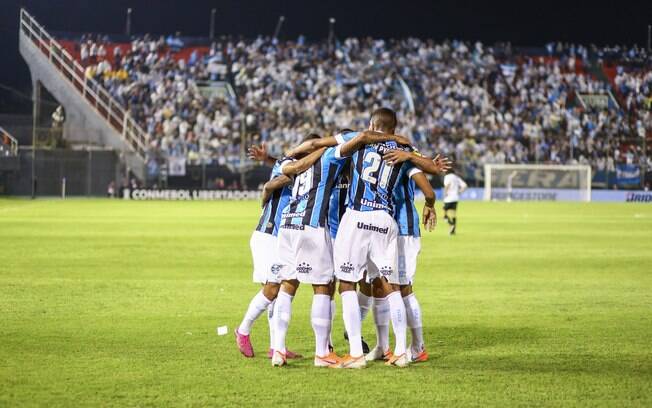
point(384, 119)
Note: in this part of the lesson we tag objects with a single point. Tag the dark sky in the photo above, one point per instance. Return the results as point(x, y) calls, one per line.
point(527, 22)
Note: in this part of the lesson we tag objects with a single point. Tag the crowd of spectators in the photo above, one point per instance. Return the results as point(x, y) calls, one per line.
point(477, 103)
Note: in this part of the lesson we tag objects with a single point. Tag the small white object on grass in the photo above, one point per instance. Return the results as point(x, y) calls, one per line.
point(222, 330)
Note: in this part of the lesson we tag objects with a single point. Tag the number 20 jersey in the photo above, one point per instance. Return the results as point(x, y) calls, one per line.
point(311, 193)
point(372, 178)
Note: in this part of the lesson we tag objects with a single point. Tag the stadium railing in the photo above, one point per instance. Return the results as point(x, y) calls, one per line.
point(13, 143)
point(91, 91)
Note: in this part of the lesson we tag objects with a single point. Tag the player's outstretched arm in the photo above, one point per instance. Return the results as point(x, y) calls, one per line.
point(299, 166)
point(259, 153)
point(310, 146)
point(429, 217)
point(273, 185)
point(369, 137)
point(438, 165)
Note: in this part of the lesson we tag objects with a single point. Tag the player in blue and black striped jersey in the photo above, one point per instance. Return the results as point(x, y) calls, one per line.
point(304, 249)
point(367, 237)
point(263, 243)
point(409, 246)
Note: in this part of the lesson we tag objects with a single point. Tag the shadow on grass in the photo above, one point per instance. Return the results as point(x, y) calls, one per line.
point(521, 350)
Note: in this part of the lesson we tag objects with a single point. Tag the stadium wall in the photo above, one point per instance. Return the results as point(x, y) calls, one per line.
point(619, 196)
point(87, 172)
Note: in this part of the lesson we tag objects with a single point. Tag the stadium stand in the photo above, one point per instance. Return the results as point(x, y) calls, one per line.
point(561, 104)
point(470, 100)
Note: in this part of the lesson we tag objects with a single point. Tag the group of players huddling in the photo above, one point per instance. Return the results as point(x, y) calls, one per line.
point(342, 208)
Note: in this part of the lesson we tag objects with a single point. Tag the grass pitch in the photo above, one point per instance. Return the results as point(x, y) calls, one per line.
point(113, 303)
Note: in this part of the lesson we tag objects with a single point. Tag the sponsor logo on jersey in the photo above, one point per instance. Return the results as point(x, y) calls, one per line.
point(371, 227)
point(373, 204)
point(383, 148)
point(294, 227)
point(342, 185)
point(346, 267)
point(294, 215)
point(304, 267)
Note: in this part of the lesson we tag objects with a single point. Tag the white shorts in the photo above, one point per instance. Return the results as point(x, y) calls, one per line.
point(408, 250)
point(366, 240)
point(263, 252)
point(306, 255)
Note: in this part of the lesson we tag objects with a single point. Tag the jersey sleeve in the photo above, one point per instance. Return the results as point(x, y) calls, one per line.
point(345, 137)
point(332, 154)
point(277, 170)
point(411, 169)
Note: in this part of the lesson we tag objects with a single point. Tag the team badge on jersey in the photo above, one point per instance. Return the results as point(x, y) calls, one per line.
point(304, 267)
point(346, 267)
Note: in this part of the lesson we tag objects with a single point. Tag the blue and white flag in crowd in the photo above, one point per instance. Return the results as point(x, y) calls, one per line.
point(628, 174)
point(508, 70)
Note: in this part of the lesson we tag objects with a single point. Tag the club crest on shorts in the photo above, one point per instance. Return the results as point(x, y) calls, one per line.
point(386, 270)
point(346, 267)
point(276, 268)
point(304, 267)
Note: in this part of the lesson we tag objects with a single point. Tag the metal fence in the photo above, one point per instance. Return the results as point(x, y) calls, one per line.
point(43, 172)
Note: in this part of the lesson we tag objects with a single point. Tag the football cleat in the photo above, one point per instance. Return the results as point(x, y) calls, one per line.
point(327, 360)
point(377, 354)
point(398, 361)
point(288, 354)
point(244, 344)
point(350, 362)
point(279, 359)
point(417, 357)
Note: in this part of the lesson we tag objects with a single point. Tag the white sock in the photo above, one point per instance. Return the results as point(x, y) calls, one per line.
point(399, 324)
point(381, 319)
point(365, 304)
point(256, 307)
point(270, 321)
point(413, 311)
point(282, 314)
point(330, 334)
point(352, 323)
point(320, 316)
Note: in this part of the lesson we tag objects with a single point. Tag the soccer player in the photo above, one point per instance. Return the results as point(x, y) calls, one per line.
point(367, 236)
point(304, 248)
point(453, 187)
point(276, 195)
point(409, 246)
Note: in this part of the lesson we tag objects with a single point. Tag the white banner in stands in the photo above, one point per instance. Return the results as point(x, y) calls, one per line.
point(180, 195)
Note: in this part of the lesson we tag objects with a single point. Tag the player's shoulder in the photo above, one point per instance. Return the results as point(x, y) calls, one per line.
point(345, 136)
point(278, 165)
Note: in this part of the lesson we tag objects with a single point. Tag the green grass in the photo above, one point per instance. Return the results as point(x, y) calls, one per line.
point(113, 303)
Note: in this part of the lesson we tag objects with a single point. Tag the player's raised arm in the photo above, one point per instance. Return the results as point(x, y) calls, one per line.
point(311, 145)
point(429, 217)
point(438, 165)
point(259, 153)
point(301, 165)
point(273, 185)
